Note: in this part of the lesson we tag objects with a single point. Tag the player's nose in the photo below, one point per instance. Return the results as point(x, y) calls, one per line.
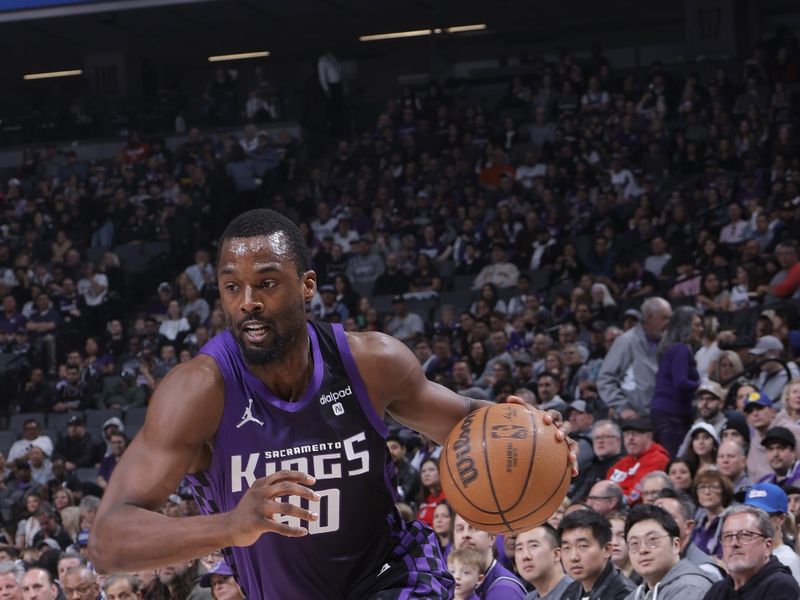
point(251, 302)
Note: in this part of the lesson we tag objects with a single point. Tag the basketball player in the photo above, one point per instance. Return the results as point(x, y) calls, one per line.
point(269, 409)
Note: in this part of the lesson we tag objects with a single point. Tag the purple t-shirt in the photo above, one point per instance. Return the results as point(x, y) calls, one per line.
point(500, 584)
point(333, 433)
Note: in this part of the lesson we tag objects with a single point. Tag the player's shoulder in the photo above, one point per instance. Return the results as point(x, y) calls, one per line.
point(373, 342)
point(199, 376)
point(376, 348)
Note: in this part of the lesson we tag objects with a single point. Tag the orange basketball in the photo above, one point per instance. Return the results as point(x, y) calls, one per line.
point(502, 469)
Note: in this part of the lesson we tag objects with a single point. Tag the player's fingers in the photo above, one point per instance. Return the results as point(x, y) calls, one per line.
point(289, 475)
point(516, 400)
point(287, 509)
point(288, 530)
point(287, 488)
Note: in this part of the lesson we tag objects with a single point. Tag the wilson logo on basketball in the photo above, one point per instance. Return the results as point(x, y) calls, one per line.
point(510, 432)
point(464, 463)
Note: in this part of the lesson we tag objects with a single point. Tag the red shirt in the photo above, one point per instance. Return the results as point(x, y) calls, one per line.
point(789, 285)
point(629, 470)
point(426, 508)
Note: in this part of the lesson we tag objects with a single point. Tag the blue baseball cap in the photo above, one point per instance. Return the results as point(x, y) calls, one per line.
point(756, 399)
point(221, 568)
point(768, 497)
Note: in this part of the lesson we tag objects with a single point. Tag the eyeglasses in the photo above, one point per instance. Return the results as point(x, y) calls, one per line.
point(598, 498)
point(651, 494)
point(709, 487)
point(652, 542)
point(743, 538)
point(599, 438)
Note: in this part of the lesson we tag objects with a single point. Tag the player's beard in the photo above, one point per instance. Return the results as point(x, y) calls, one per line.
point(293, 321)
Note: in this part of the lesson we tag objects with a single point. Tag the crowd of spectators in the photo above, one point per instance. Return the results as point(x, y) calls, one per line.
point(617, 246)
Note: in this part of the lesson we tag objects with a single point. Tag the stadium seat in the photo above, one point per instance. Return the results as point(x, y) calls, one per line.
point(87, 474)
point(383, 304)
point(58, 421)
point(16, 421)
point(7, 438)
point(134, 416)
point(463, 282)
point(363, 289)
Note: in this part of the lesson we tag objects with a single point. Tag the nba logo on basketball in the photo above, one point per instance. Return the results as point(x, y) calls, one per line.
point(338, 409)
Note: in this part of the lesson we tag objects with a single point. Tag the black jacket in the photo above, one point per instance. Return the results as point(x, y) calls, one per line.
point(80, 451)
point(611, 585)
point(408, 481)
point(773, 582)
point(596, 471)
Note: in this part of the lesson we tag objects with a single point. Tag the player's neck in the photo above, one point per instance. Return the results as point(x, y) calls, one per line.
point(289, 378)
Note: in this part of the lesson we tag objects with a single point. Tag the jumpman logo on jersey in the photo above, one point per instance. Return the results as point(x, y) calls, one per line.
point(248, 417)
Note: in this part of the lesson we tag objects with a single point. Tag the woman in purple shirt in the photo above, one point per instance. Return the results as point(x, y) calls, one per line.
point(676, 378)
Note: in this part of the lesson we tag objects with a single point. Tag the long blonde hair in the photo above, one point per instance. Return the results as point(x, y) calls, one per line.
point(793, 413)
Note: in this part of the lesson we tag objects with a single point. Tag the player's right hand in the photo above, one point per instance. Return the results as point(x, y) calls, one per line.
point(255, 514)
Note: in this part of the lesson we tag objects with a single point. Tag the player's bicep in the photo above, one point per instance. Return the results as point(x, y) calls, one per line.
point(183, 416)
point(408, 396)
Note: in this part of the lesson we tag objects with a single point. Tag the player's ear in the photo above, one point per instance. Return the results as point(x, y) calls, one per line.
point(309, 279)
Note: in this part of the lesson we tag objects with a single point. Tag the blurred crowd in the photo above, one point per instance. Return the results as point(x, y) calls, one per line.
point(617, 246)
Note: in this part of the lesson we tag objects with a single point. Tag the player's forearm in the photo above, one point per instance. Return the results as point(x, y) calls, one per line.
point(128, 538)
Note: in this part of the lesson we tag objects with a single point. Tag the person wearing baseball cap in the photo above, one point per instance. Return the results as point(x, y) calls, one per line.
point(773, 376)
point(773, 500)
point(762, 417)
point(782, 456)
point(644, 456)
point(581, 419)
point(709, 399)
point(220, 580)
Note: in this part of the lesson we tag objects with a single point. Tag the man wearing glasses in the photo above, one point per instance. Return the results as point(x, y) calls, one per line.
point(654, 545)
point(753, 573)
point(605, 498)
point(607, 446)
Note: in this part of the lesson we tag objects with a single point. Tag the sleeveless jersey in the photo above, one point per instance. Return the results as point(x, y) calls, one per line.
point(333, 433)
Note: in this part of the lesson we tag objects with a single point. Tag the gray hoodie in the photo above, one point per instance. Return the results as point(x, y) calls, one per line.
point(684, 581)
point(627, 376)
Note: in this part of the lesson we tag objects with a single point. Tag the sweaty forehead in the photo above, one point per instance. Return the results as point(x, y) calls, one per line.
point(274, 244)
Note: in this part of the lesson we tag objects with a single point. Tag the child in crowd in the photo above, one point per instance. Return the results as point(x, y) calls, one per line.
point(467, 566)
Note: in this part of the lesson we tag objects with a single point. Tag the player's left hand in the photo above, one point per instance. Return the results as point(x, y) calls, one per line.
point(553, 417)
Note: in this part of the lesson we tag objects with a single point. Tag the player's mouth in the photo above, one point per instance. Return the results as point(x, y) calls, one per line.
point(255, 332)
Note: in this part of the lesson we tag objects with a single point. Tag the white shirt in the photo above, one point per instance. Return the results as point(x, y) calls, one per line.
point(170, 328)
point(526, 174)
point(330, 71)
point(91, 297)
point(321, 230)
point(734, 233)
point(196, 274)
point(21, 447)
point(788, 557)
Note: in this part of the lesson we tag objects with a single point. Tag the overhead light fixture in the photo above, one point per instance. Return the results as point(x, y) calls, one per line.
point(52, 74)
point(240, 56)
point(397, 35)
point(465, 28)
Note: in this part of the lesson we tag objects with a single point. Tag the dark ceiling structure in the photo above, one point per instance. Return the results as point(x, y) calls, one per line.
point(189, 32)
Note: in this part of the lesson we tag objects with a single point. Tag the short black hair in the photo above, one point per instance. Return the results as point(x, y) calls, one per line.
point(262, 222)
point(645, 512)
point(550, 533)
point(601, 528)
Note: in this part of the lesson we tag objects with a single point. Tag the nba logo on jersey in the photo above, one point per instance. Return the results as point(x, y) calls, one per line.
point(338, 409)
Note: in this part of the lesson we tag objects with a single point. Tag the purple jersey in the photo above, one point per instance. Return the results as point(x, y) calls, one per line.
point(333, 433)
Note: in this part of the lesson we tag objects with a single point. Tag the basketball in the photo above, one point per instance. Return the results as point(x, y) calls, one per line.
point(502, 469)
